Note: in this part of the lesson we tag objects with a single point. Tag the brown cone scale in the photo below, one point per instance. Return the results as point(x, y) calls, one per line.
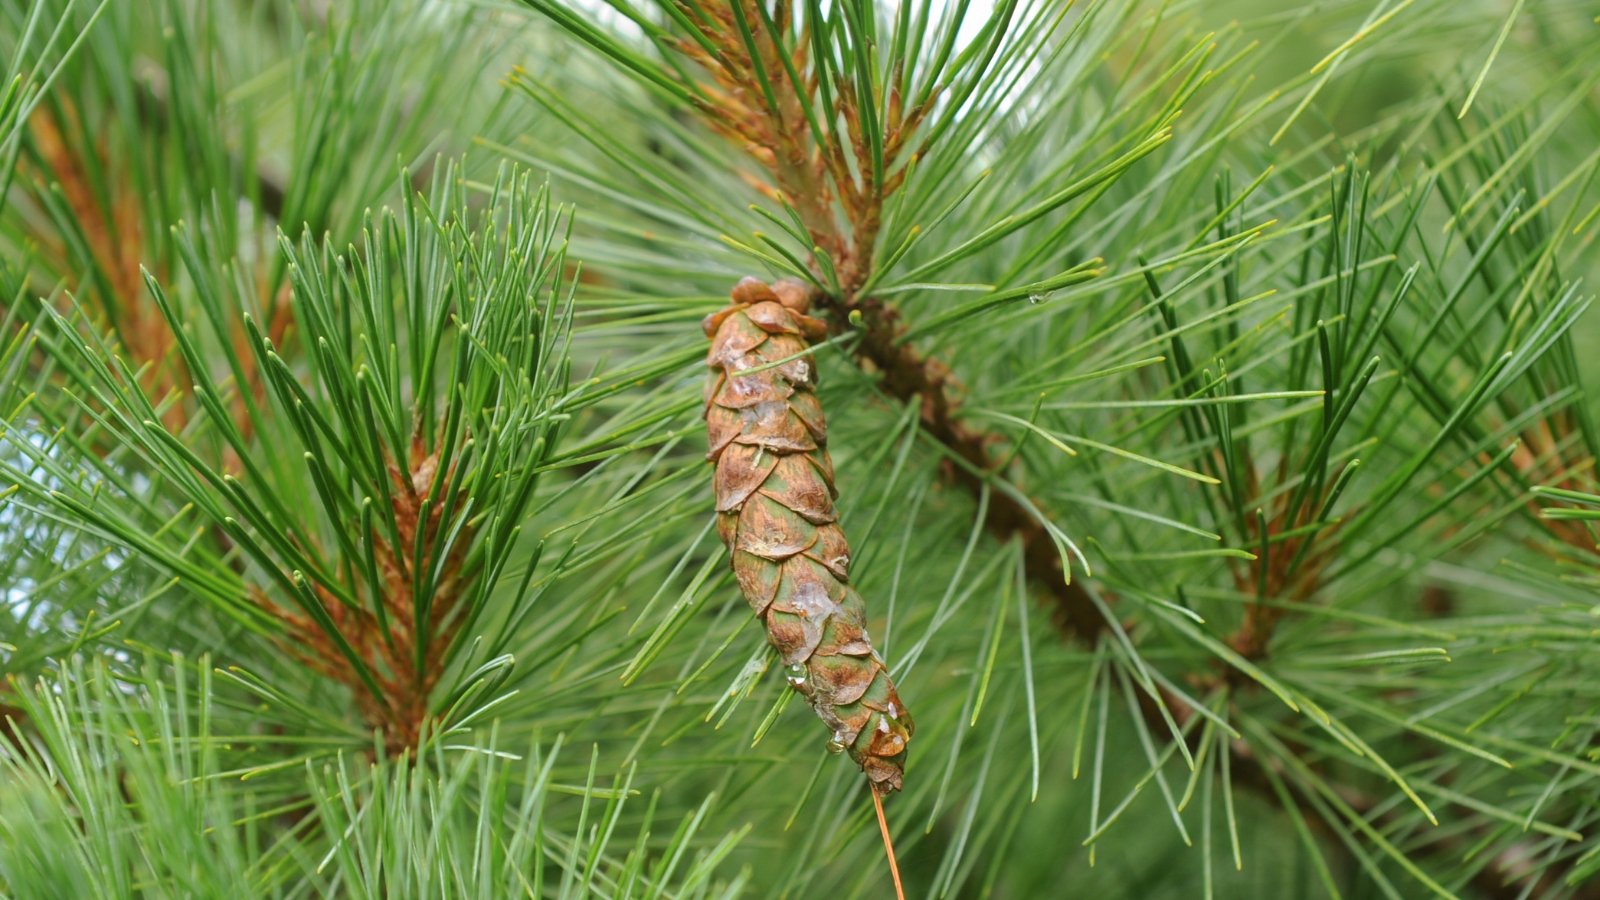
point(774, 491)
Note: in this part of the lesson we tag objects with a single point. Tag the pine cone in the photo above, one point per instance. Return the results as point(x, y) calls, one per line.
point(774, 489)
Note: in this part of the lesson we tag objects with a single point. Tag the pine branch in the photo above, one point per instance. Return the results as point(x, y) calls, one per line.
point(372, 585)
point(774, 100)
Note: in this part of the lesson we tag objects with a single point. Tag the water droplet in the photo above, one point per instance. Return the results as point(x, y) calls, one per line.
point(797, 675)
point(837, 744)
point(812, 600)
point(1036, 299)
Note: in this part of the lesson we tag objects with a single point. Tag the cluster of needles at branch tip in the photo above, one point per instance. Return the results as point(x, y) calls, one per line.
point(774, 500)
point(391, 641)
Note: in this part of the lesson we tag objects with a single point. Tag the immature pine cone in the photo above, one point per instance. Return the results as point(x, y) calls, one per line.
point(774, 487)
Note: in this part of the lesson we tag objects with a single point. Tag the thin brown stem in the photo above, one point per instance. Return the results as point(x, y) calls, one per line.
point(888, 845)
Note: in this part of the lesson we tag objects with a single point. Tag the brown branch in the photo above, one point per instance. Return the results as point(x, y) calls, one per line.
point(907, 375)
point(388, 650)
